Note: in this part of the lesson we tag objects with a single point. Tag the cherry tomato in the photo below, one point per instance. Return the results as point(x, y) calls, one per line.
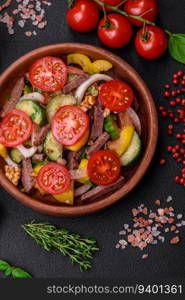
point(54, 178)
point(83, 16)
point(139, 7)
point(48, 74)
point(15, 128)
point(70, 124)
point(116, 95)
point(104, 167)
point(152, 43)
point(109, 2)
point(118, 33)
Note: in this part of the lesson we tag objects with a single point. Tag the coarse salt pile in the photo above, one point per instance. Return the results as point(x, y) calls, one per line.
point(149, 227)
point(27, 12)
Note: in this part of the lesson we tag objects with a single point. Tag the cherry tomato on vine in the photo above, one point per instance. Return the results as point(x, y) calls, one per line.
point(104, 167)
point(117, 33)
point(148, 9)
point(83, 16)
point(110, 2)
point(151, 42)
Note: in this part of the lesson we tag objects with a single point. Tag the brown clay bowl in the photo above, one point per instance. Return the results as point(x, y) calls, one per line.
point(147, 113)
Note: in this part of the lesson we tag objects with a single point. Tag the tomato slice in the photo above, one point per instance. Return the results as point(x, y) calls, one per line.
point(69, 125)
point(104, 167)
point(116, 95)
point(48, 74)
point(54, 178)
point(15, 128)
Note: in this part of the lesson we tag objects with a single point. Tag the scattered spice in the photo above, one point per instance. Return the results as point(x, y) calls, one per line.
point(151, 226)
point(27, 12)
point(175, 240)
point(175, 112)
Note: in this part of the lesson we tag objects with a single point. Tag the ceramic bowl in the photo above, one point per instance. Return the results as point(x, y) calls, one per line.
point(147, 114)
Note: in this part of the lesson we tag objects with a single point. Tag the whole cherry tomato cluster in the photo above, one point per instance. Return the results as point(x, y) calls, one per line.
point(115, 30)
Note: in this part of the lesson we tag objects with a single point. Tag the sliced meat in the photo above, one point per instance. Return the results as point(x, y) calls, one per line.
point(98, 144)
point(14, 97)
point(97, 127)
point(28, 180)
point(101, 190)
point(79, 153)
point(72, 161)
point(82, 189)
point(38, 156)
point(39, 134)
point(73, 84)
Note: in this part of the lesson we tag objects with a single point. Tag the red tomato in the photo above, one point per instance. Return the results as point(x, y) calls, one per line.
point(54, 178)
point(118, 33)
point(139, 7)
point(48, 74)
point(116, 95)
point(15, 128)
point(109, 2)
point(83, 16)
point(70, 124)
point(152, 43)
point(104, 167)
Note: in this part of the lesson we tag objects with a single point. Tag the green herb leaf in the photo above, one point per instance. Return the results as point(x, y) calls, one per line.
point(20, 273)
point(176, 46)
point(4, 265)
point(15, 272)
point(8, 271)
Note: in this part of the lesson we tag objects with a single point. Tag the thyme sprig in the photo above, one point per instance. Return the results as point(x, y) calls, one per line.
point(79, 250)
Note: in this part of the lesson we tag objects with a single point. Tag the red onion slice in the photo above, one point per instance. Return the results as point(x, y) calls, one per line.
point(135, 119)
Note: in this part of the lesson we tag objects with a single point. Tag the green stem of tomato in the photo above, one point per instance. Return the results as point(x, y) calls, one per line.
point(121, 12)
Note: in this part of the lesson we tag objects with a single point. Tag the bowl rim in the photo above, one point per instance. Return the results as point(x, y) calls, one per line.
point(93, 207)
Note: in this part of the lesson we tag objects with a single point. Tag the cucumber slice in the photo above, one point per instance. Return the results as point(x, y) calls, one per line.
point(52, 148)
point(16, 155)
point(36, 112)
point(57, 102)
point(132, 152)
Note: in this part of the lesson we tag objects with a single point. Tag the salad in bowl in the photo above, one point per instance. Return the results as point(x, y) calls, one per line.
point(70, 130)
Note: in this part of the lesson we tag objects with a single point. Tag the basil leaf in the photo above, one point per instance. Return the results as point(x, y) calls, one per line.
point(8, 271)
point(20, 273)
point(4, 265)
point(176, 47)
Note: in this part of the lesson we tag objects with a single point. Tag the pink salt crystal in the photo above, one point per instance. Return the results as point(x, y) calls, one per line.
point(144, 256)
point(28, 33)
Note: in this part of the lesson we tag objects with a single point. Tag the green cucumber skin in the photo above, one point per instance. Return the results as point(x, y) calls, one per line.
point(52, 148)
point(36, 112)
point(56, 102)
point(16, 155)
point(133, 152)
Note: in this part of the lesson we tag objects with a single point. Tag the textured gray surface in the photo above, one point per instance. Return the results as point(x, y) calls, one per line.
point(164, 261)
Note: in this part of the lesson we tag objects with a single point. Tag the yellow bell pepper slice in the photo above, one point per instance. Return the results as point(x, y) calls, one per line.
point(121, 145)
point(66, 197)
point(3, 151)
point(101, 65)
point(80, 143)
point(80, 59)
point(83, 165)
